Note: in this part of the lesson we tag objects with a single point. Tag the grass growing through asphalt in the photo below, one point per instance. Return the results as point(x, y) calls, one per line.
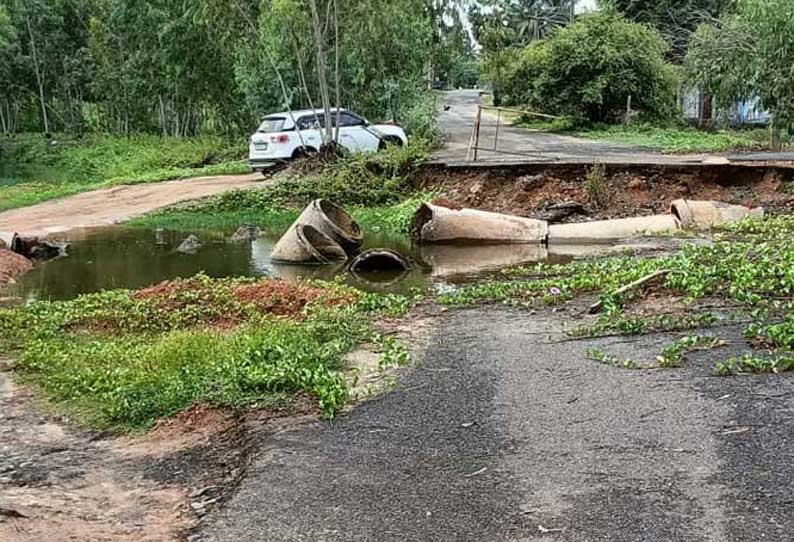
point(34, 169)
point(750, 267)
point(665, 138)
point(122, 359)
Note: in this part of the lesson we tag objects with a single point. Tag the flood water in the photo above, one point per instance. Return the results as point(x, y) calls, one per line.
point(121, 257)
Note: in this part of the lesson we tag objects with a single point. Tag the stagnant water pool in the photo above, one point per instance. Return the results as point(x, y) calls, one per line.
point(122, 257)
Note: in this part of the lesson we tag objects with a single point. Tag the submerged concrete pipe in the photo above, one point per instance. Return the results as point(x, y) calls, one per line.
point(305, 244)
point(608, 231)
point(333, 221)
point(704, 215)
point(448, 261)
point(380, 259)
point(435, 224)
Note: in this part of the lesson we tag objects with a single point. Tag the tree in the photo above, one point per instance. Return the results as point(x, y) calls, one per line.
point(749, 53)
point(9, 47)
point(675, 19)
point(502, 27)
point(591, 68)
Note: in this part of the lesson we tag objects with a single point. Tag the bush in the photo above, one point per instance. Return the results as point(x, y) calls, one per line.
point(590, 68)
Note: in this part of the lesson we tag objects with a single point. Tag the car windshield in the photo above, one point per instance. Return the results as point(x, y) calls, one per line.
point(271, 124)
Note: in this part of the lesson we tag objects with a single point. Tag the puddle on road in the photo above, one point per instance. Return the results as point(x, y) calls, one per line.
point(120, 257)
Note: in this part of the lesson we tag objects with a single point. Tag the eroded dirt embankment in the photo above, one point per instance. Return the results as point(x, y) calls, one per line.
point(629, 191)
point(60, 484)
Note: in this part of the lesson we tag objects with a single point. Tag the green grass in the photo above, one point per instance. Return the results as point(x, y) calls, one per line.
point(35, 170)
point(117, 361)
point(375, 189)
point(665, 138)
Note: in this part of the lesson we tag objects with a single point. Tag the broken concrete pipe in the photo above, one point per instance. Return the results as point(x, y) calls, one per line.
point(333, 221)
point(436, 224)
point(324, 232)
point(305, 244)
point(704, 215)
point(608, 231)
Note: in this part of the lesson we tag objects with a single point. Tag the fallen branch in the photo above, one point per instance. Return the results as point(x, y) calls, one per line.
point(639, 283)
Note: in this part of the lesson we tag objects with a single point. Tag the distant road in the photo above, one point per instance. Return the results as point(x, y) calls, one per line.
point(457, 122)
point(117, 204)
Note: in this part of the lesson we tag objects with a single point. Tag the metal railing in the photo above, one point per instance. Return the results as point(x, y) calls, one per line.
point(474, 141)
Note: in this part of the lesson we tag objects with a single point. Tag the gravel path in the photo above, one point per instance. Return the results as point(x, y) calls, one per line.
point(504, 433)
point(117, 204)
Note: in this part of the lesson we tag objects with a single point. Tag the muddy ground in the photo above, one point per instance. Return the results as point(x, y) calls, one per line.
point(530, 190)
point(60, 483)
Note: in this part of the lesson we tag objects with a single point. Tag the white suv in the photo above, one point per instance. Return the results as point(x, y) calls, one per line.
point(283, 136)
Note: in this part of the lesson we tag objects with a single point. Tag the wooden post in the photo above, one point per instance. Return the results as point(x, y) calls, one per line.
point(477, 131)
point(496, 136)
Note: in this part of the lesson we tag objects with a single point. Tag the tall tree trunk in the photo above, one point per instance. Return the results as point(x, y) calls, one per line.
point(322, 76)
point(39, 75)
point(336, 73)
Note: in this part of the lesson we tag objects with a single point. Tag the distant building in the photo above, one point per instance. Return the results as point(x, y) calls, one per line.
point(697, 109)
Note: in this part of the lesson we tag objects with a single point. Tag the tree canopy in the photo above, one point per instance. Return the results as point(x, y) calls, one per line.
point(749, 53)
point(179, 67)
point(590, 68)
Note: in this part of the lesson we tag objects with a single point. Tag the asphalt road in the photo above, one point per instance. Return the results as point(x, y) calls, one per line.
point(504, 433)
point(457, 119)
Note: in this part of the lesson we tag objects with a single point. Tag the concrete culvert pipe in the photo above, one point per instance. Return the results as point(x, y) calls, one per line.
point(305, 244)
point(435, 224)
point(7, 239)
point(332, 220)
point(704, 215)
point(608, 231)
point(380, 260)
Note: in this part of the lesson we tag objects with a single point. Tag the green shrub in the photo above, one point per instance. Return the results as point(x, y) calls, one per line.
point(590, 68)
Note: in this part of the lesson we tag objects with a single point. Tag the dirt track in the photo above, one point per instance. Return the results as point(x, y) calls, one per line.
point(117, 204)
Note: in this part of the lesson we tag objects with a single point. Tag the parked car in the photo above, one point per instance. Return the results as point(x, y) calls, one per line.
point(284, 136)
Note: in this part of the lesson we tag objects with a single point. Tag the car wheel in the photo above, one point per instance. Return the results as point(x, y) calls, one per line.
point(303, 152)
point(390, 141)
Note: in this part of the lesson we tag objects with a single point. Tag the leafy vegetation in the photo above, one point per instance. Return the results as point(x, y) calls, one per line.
point(589, 69)
point(216, 66)
point(376, 189)
point(222, 342)
point(675, 139)
point(752, 274)
point(748, 53)
point(35, 169)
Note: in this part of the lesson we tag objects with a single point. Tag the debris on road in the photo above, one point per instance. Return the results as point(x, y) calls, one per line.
point(639, 283)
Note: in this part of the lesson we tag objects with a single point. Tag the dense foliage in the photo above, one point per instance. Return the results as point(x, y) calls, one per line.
point(590, 69)
point(675, 19)
point(183, 67)
point(749, 53)
point(35, 169)
point(222, 342)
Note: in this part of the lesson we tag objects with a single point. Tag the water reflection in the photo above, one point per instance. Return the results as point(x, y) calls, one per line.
point(121, 257)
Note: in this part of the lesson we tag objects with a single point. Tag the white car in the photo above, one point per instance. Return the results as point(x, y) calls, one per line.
point(284, 136)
